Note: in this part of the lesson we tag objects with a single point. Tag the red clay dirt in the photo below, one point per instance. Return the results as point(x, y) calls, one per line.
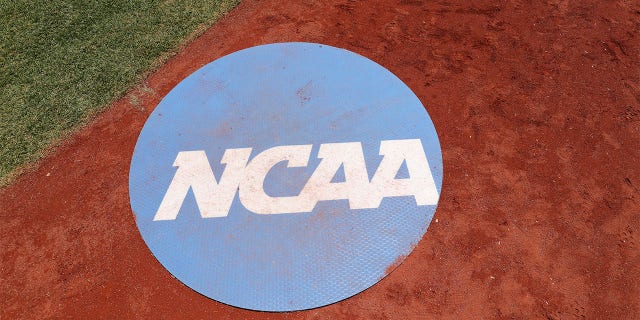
point(537, 106)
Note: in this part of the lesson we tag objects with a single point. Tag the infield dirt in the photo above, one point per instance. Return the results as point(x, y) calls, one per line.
point(537, 106)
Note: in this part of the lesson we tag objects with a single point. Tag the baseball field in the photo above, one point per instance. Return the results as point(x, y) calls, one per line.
point(537, 109)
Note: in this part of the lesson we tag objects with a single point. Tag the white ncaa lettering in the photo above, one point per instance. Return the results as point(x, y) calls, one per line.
point(252, 194)
point(214, 198)
point(420, 183)
point(319, 187)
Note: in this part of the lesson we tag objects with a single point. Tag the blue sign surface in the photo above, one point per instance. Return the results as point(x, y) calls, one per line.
point(285, 176)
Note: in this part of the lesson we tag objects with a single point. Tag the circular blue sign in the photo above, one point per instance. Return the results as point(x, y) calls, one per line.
point(285, 176)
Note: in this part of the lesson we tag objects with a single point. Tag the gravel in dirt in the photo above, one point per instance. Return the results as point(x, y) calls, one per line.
point(537, 106)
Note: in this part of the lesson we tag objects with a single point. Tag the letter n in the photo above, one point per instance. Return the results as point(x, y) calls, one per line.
point(194, 172)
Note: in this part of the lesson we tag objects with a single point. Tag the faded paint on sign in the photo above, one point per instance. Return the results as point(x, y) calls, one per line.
point(285, 177)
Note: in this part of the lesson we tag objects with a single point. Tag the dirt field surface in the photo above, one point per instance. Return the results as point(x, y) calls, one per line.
point(538, 111)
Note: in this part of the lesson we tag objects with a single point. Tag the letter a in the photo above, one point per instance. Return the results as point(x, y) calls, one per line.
point(355, 187)
point(213, 198)
point(420, 183)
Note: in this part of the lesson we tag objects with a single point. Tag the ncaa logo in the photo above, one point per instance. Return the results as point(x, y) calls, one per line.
point(285, 176)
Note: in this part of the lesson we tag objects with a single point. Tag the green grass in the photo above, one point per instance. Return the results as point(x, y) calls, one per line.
point(61, 61)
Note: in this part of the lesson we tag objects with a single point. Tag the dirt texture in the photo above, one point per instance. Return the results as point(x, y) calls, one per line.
point(537, 106)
